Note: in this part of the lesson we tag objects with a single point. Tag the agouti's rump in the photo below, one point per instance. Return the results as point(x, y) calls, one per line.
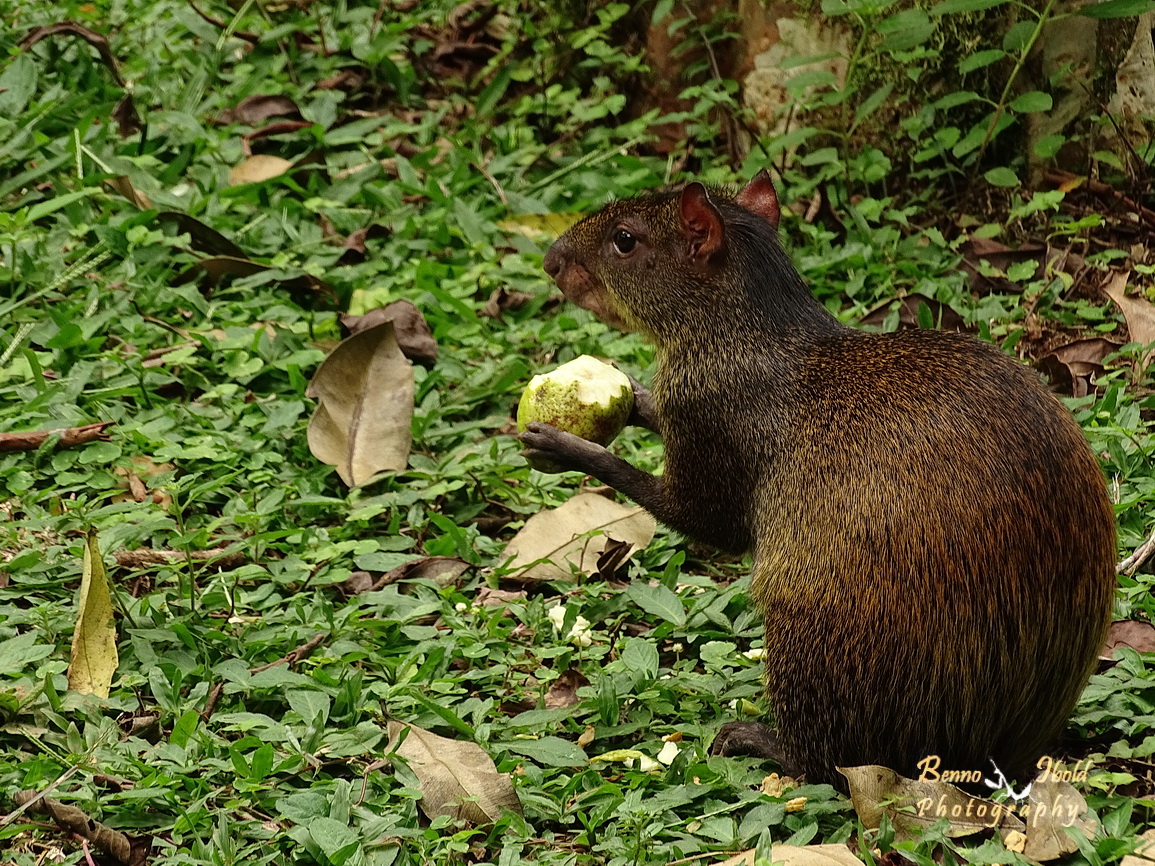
point(933, 545)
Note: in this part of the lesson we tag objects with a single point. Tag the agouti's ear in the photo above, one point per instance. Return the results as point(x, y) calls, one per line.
point(701, 222)
point(758, 196)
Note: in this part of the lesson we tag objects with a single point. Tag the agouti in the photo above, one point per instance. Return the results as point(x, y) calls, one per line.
point(933, 544)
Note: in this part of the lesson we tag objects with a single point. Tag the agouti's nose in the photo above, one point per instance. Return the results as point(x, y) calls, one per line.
point(554, 261)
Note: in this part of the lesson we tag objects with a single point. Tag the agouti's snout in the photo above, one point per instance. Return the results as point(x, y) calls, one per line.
point(554, 260)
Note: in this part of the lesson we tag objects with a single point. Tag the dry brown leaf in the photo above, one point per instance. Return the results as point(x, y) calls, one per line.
point(489, 597)
point(456, 778)
point(258, 168)
point(69, 437)
point(123, 185)
point(502, 299)
point(355, 245)
point(563, 692)
point(365, 389)
point(1052, 807)
point(301, 286)
point(94, 657)
point(202, 238)
point(587, 736)
point(1135, 634)
point(1144, 852)
point(257, 109)
point(126, 117)
point(442, 570)
point(413, 333)
point(799, 855)
point(1138, 313)
point(536, 226)
point(559, 537)
point(112, 842)
point(1075, 366)
point(913, 805)
point(71, 28)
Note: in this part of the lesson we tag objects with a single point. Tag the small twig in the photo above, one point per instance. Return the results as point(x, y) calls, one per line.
point(251, 38)
point(211, 702)
point(69, 437)
point(294, 656)
point(291, 658)
point(1141, 554)
point(497, 186)
point(143, 557)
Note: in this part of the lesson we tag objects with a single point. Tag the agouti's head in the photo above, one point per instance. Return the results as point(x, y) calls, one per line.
point(666, 262)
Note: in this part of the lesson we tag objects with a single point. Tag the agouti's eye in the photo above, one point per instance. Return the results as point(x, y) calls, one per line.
point(624, 242)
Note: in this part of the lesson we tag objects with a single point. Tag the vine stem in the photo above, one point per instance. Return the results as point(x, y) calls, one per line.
point(1044, 18)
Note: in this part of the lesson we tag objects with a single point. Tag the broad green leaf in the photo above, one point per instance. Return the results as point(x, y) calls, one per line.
point(1031, 102)
point(1117, 8)
point(872, 103)
point(44, 208)
point(905, 30)
point(338, 841)
point(184, 728)
point(18, 652)
point(303, 806)
point(980, 59)
point(640, 655)
point(550, 751)
point(658, 600)
point(1002, 176)
point(951, 7)
point(1016, 38)
point(1049, 145)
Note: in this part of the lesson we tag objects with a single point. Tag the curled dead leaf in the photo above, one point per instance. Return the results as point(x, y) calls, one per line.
point(71, 28)
point(456, 778)
point(122, 185)
point(1051, 809)
point(74, 820)
point(1074, 367)
point(563, 692)
point(413, 333)
point(257, 109)
point(365, 391)
point(258, 168)
point(799, 855)
point(502, 299)
point(1139, 313)
point(202, 238)
point(94, 657)
point(1133, 634)
point(912, 805)
point(355, 244)
point(561, 537)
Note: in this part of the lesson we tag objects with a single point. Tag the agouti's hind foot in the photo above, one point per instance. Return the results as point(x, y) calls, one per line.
point(752, 739)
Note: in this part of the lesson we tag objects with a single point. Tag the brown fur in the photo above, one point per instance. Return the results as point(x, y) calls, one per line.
point(933, 544)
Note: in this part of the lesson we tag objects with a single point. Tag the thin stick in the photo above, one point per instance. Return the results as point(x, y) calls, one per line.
point(1141, 554)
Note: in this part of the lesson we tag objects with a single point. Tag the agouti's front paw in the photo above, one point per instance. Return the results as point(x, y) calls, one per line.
point(551, 450)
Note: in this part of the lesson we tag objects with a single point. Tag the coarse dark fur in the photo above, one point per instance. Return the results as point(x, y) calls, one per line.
point(933, 545)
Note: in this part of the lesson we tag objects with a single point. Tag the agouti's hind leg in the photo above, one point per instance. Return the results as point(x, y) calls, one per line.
point(751, 739)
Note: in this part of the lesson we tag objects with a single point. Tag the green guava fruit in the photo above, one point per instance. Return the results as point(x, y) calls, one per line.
point(584, 397)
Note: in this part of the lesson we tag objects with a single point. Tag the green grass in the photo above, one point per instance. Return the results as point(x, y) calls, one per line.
point(105, 315)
